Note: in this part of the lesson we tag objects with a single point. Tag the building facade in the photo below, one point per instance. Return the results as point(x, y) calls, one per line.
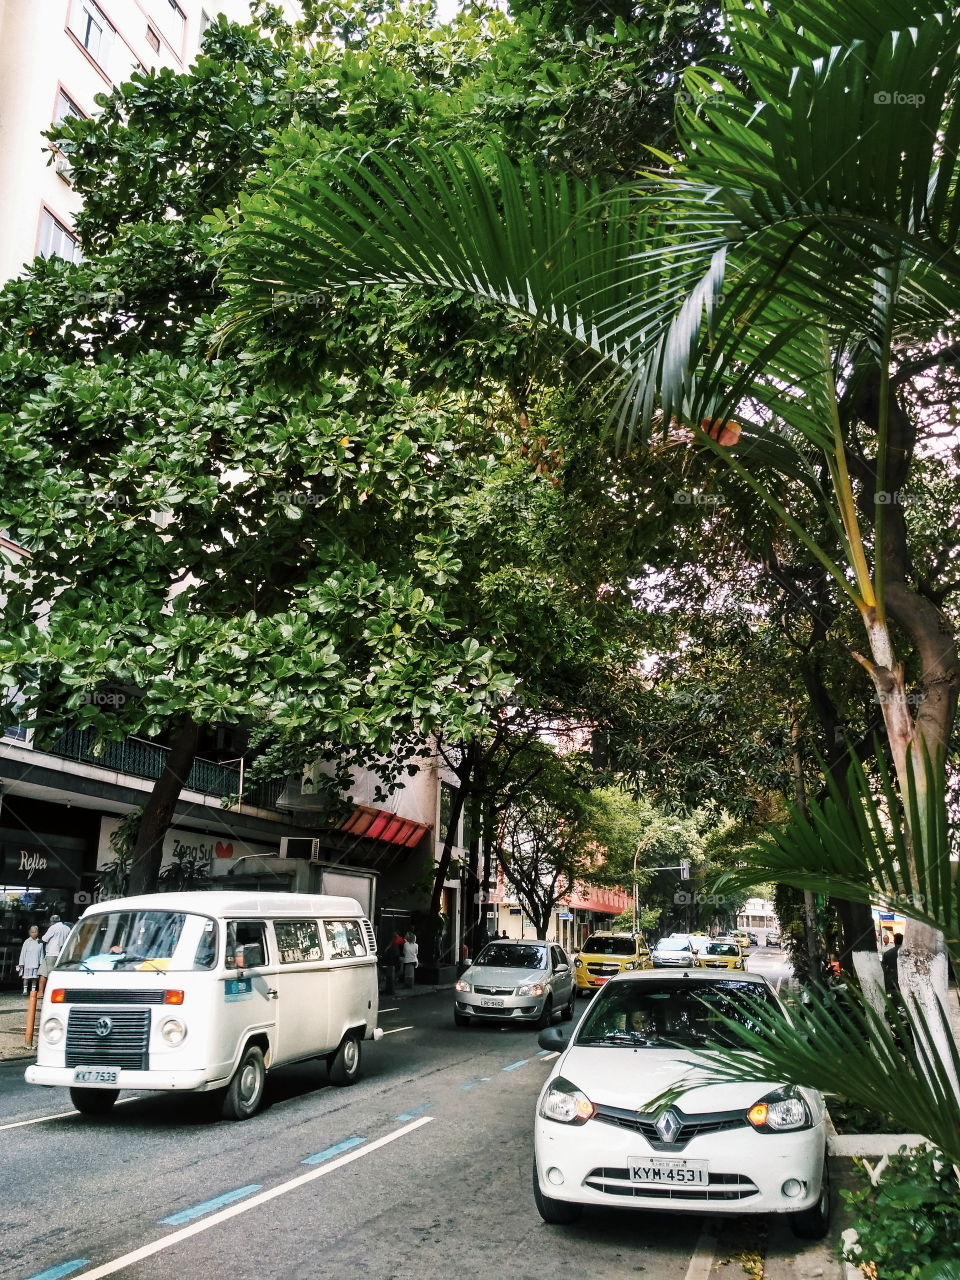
point(55, 57)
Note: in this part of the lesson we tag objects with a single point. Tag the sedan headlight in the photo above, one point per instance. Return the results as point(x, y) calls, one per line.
point(173, 1031)
point(781, 1111)
point(566, 1104)
point(462, 986)
point(531, 989)
point(53, 1030)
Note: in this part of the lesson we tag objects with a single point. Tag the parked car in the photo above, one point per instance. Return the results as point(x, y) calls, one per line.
point(604, 955)
point(677, 950)
point(723, 955)
point(754, 940)
point(773, 938)
point(717, 1148)
point(517, 982)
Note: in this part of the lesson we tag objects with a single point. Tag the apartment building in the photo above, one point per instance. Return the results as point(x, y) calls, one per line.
point(55, 57)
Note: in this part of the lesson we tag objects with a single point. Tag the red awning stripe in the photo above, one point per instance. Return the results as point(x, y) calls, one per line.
point(379, 824)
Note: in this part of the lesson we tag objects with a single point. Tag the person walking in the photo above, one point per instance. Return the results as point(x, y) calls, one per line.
point(31, 954)
point(53, 941)
point(411, 952)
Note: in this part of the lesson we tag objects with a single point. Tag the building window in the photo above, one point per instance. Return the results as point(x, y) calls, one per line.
point(66, 107)
point(56, 241)
point(153, 40)
point(92, 30)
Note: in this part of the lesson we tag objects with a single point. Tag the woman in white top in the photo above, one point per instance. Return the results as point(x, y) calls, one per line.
point(31, 953)
point(410, 956)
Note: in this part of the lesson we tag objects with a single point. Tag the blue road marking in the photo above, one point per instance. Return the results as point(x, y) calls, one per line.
point(545, 1053)
point(208, 1206)
point(64, 1269)
point(329, 1152)
point(414, 1111)
point(515, 1065)
point(472, 1084)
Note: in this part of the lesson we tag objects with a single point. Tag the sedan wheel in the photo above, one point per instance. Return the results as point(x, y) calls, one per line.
point(814, 1223)
point(546, 1014)
point(566, 1013)
point(559, 1213)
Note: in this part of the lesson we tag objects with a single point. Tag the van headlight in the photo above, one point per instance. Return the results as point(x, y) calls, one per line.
point(173, 1031)
point(531, 989)
point(566, 1104)
point(53, 1030)
point(781, 1111)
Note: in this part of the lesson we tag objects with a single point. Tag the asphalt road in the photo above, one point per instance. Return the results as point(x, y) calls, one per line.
point(420, 1170)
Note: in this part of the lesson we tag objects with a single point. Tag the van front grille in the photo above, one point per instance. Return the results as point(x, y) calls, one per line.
point(108, 1038)
point(79, 996)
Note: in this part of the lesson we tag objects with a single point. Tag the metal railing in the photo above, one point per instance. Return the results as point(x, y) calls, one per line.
point(145, 759)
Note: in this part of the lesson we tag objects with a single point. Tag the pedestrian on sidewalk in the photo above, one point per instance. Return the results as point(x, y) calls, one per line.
point(53, 941)
point(31, 954)
point(411, 953)
point(398, 941)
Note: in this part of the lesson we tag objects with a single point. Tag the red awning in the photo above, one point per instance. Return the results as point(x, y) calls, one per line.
point(390, 828)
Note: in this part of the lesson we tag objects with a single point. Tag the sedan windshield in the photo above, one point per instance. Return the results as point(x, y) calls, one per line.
point(148, 940)
point(723, 949)
point(665, 1014)
point(674, 944)
point(513, 956)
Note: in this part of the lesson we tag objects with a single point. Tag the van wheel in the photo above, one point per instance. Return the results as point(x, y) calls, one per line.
point(559, 1213)
point(245, 1091)
point(94, 1102)
point(345, 1063)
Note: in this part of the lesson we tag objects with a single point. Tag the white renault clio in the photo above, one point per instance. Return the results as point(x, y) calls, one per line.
point(719, 1148)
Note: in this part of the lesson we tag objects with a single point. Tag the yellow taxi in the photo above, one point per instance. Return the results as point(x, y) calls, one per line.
point(604, 955)
point(741, 938)
point(725, 954)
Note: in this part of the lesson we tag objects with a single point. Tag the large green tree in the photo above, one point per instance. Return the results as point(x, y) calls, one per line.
point(776, 300)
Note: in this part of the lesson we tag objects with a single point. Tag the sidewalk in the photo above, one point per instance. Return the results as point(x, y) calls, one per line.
point(13, 1017)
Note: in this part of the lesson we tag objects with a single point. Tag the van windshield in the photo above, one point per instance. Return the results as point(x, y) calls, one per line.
point(116, 941)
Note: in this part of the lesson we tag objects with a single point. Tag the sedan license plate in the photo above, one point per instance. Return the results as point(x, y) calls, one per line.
point(670, 1173)
point(95, 1075)
point(492, 1004)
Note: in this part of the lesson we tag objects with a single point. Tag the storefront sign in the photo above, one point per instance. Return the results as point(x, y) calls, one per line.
point(40, 861)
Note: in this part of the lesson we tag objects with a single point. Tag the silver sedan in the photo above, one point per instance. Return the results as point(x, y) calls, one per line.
point(516, 982)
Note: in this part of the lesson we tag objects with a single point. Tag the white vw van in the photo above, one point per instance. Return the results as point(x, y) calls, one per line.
point(207, 992)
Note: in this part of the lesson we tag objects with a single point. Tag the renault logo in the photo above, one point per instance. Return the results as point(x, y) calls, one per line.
point(668, 1126)
point(103, 1026)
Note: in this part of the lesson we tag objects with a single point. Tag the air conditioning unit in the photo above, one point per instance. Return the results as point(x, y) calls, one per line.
point(62, 166)
point(300, 847)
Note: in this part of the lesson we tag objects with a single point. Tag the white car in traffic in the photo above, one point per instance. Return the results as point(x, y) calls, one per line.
point(718, 1148)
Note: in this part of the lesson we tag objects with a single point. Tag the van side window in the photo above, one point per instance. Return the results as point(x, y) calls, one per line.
point(298, 940)
point(344, 939)
point(246, 944)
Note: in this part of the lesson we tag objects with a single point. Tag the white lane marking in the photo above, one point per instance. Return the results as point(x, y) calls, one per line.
point(243, 1206)
point(58, 1115)
point(701, 1263)
point(393, 1030)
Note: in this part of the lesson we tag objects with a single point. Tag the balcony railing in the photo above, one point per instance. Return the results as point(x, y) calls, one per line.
point(146, 760)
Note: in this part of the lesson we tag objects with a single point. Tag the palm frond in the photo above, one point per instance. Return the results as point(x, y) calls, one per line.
point(886, 849)
point(888, 1060)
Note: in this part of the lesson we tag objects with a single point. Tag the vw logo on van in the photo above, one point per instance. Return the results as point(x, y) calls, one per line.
point(103, 1026)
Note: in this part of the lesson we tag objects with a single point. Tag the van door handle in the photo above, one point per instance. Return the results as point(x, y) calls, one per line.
point(273, 993)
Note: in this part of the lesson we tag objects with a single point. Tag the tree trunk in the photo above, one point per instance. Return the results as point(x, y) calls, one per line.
point(159, 810)
point(464, 775)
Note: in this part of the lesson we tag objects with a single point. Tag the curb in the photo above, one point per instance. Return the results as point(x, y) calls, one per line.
point(849, 1238)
